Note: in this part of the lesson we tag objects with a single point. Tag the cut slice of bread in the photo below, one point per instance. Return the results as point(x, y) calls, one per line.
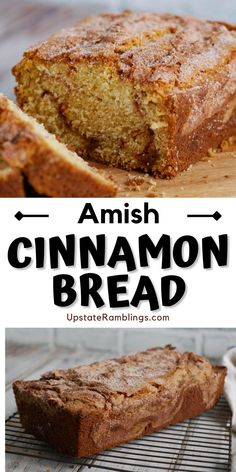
point(11, 181)
point(48, 165)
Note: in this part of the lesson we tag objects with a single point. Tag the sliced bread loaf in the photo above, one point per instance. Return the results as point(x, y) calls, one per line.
point(50, 167)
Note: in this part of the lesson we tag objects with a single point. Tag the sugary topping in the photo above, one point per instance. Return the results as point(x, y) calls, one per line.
point(108, 382)
point(126, 373)
point(146, 47)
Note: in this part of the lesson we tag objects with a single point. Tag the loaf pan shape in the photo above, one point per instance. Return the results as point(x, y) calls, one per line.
point(84, 410)
point(134, 90)
point(50, 168)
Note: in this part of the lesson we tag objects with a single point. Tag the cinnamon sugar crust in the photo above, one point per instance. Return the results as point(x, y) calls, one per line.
point(135, 90)
point(110, 402)
point(164, 50)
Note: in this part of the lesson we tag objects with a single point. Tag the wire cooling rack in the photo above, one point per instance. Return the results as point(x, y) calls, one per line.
point(197, 445)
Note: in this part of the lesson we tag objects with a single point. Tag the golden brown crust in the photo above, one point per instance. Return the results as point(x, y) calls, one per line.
point(110, 402)
point(11, 182)
point(49, 166)
point(190, 137)
point(150, 48)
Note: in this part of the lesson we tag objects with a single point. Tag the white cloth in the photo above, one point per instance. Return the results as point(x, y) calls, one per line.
point(229, 361)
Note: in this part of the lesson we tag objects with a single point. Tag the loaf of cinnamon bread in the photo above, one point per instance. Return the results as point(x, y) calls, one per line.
point(135, 90)
point(84, 410)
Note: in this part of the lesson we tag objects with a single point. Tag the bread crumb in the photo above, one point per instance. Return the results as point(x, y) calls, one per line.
point(133, 183)
point(229, 144)
point(211, 153)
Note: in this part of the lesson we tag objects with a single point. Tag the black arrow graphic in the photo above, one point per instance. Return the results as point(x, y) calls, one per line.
point(19, 216)
point(215, 215)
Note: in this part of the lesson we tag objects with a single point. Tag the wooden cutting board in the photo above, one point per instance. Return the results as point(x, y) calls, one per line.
point(212, 177)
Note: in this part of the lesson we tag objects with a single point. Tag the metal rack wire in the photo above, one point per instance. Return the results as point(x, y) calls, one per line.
point(197, 445)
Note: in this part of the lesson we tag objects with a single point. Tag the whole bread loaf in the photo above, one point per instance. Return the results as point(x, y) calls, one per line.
point(87, 409)
point(135, 90)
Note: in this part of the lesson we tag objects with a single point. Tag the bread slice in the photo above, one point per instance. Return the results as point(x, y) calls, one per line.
point(50, 168)
point(11, 181)
point(135, 90)
point(86, 409)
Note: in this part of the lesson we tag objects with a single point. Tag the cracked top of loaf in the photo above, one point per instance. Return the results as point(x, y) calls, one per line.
point(112, 383)
point(147, 47)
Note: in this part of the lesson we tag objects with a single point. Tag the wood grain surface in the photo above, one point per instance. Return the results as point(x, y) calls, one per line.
point(211, 177)
point(24, 23)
